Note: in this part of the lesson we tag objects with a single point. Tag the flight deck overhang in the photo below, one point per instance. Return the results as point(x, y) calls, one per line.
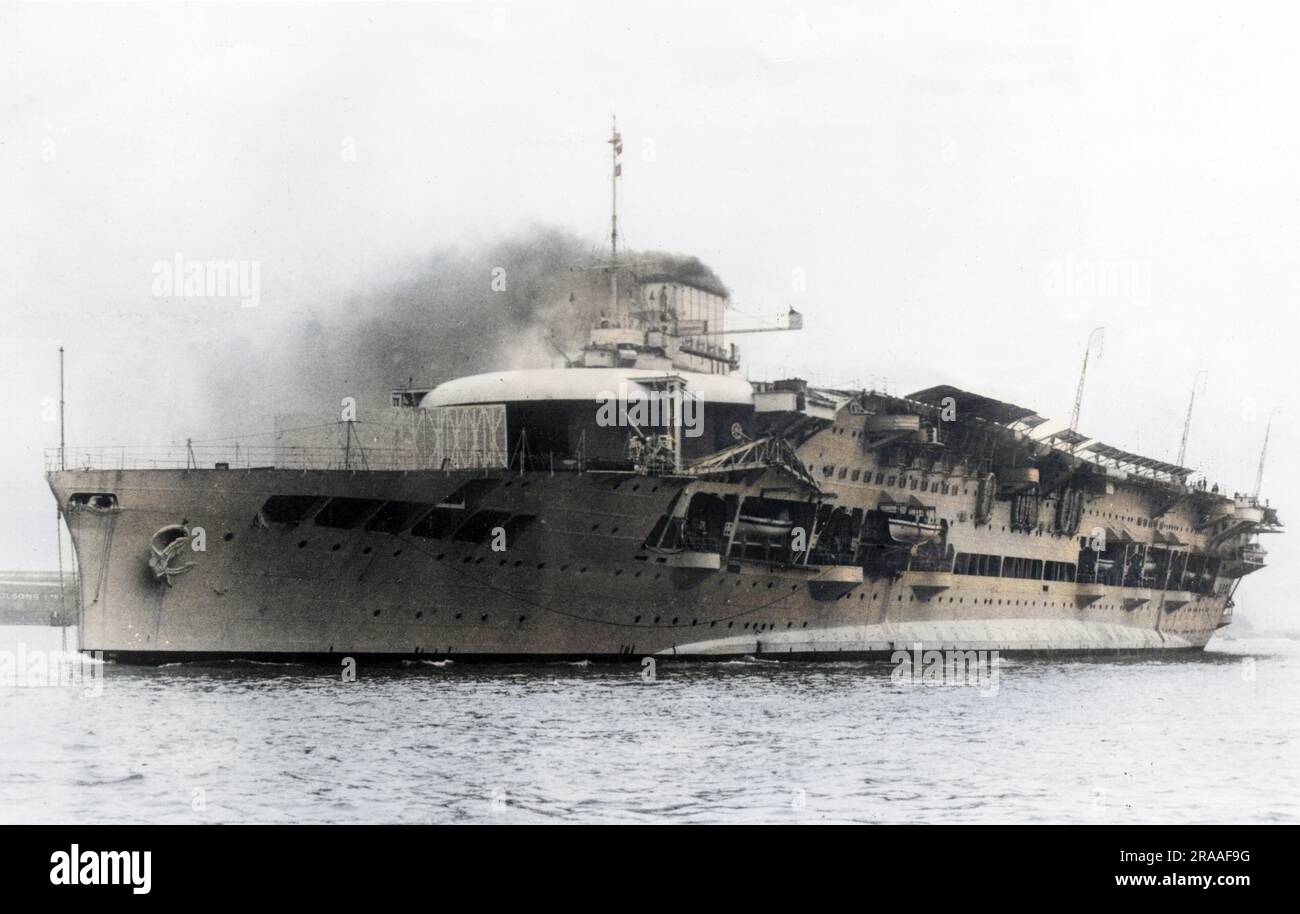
point(583, 385)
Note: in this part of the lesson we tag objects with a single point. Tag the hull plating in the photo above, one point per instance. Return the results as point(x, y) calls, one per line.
point(577, 583)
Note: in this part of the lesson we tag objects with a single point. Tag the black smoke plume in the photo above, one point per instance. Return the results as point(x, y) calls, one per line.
point(512, 304)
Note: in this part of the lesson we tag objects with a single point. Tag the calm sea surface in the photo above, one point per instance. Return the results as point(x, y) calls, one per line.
point(1207, 738)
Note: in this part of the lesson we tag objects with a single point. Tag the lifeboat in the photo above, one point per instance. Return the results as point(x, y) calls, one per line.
point(909, 523)
point(984, 499)
point(909, 531)
point(765, 526)
point(764, 519)
point(1069, 511)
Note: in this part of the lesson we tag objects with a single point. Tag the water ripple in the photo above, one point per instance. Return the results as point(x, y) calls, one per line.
point(1209, 738)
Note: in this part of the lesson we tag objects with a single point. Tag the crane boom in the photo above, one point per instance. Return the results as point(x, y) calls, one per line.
point(1259, 474)
point(1099, 333)
point(1187, 423)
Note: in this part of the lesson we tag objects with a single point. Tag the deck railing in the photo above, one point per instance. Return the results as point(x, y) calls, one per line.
point(232, 457)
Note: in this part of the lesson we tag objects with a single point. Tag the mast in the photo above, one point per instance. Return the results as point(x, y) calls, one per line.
point(58, 521)
point(616, 152)
point(63, 448)
point(616, 171)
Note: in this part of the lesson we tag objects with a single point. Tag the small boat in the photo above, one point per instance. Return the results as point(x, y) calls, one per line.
point(765, 526)
point(906, 530)
point(911, 522)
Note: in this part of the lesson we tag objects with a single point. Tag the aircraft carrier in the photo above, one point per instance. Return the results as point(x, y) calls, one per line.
point(646, 499)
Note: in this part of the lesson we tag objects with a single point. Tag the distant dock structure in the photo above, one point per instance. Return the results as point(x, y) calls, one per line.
point(34, 598)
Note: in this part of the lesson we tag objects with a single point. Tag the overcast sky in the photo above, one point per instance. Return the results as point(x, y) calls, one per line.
point(936, 186)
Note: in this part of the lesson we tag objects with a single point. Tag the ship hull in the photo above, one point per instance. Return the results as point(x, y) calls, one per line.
point(578, 583)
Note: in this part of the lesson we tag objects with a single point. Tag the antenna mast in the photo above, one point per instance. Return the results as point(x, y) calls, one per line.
point(1187, 423)
point(1099, 334)
point(63, 449)
point(616, 152)
point(616, 172)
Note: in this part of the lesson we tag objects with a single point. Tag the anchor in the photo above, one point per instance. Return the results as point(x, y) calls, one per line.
point(165, 547)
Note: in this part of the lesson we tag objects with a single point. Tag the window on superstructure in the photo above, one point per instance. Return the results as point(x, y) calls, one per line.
point(290, 509)
point(395, 515)
point(439, 522)
point(515, 527)
point(478, 528)
point(346, 513)
point(977, 564)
